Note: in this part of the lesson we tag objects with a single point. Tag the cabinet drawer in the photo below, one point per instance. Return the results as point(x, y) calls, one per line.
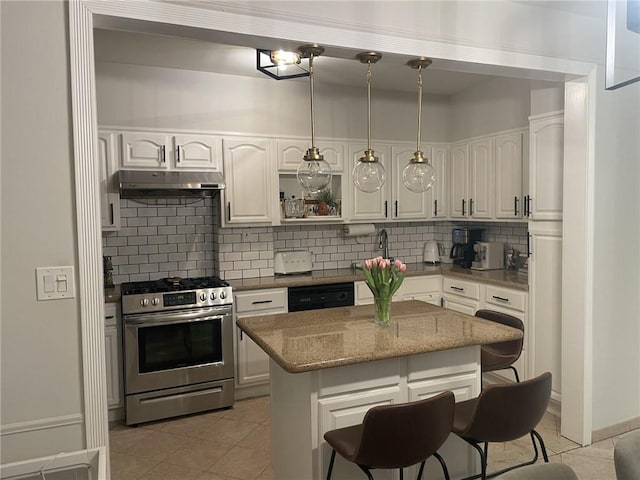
point(414, 286)
point(261, 300)
point(506, 298)
point(462, 288)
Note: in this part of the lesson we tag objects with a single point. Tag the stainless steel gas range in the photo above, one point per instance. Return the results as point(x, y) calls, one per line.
point(178, 347)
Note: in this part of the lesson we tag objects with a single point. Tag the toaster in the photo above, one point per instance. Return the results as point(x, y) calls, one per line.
point(294, 261)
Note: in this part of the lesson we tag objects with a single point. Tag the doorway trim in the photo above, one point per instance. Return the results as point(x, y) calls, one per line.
point(84, 14)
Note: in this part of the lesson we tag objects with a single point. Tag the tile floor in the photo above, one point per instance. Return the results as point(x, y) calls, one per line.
point(235, 445)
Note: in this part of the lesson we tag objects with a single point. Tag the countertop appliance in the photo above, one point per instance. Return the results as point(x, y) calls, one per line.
point(178, 347)
point(488, 256)
point(145, 183)
point(462, 250)
point(295, 261)
point(314, 297)
point(432, 252)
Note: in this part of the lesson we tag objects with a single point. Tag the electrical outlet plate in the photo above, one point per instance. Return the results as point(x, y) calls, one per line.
point(55, 282)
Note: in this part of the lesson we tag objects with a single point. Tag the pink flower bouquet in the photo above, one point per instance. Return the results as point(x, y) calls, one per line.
point(383, 279)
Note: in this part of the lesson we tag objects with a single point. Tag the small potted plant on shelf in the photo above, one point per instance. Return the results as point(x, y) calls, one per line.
point(326, 202)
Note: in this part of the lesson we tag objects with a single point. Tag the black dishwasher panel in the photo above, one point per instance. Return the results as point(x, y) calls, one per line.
point(321, 296)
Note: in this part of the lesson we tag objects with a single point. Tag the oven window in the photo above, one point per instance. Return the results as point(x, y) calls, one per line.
point(182, 345)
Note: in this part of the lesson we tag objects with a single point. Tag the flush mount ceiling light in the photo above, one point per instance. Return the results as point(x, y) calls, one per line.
point(280, 64)
point(368, 173)
point(418, 176)
point(314, 172)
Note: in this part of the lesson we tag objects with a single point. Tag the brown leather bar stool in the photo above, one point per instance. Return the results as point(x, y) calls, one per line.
point(500, 356)
point(396, 436)
point(502, 413)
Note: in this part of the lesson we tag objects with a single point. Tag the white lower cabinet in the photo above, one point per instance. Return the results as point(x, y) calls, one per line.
point(426, 288)
point(461, 295)
point(113, 361)
point(252, 363)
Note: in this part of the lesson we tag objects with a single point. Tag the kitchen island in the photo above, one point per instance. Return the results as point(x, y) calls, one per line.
point(328, 367)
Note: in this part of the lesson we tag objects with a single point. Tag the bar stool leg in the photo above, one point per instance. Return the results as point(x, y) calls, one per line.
point(445, 470)
point(333, 459)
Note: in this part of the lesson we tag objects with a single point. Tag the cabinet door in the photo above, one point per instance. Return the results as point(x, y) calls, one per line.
point(459, 180)
point(253, 362)
point(407, 204)
point(109, 194)
point(113, 377)
point(291, 151)
point(461, 305)
point(508, 168)
point(145, 150)
point(481, 179)
point(545, 301)
point(370, 206)
point(346, 410)
point(545, 166)
point(249, 175)
point(440, 192)
point(198, 152)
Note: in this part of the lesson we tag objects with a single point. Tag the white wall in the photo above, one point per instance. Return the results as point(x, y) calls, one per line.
point(492, 106)
point(40, 361)
point(546, 97)
point(140, 96)
point(616, 296)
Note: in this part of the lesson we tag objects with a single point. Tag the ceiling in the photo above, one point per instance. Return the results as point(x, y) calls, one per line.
point(390, 73)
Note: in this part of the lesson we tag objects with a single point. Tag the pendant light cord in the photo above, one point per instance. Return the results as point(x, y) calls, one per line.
point(313, 126)
point(419, 107)
point(369, 105)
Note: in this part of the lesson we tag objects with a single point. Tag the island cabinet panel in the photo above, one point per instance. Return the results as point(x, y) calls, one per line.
point(306, 405)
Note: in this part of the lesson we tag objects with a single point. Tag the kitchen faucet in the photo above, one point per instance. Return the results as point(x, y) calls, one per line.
point(384, 244)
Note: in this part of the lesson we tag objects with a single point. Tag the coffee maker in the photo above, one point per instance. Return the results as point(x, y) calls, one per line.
point(463, 239)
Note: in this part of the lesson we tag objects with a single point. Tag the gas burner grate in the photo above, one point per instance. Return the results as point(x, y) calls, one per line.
point(172, 284)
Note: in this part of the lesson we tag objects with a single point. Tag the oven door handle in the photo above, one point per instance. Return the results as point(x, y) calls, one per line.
point(155, 319)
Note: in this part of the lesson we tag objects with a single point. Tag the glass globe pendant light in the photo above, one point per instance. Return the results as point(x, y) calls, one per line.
point(314, 172)
point(419, 176)
point(368, 174)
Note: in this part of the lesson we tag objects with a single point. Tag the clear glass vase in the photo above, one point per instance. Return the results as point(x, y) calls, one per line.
point(383, 310)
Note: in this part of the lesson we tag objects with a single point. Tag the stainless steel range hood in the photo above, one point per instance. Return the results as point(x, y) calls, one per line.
point(146, 184)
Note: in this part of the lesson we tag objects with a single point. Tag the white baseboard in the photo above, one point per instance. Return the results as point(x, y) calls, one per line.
point(254, 391)
point(614, 430)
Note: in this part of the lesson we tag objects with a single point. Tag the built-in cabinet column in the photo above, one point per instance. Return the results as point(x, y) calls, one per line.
point(546, 163)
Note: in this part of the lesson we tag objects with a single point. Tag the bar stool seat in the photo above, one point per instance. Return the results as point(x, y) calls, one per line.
point(396, 436)
point(500, 356)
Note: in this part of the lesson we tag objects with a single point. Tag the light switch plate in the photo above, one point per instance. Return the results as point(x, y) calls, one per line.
point(55, 282)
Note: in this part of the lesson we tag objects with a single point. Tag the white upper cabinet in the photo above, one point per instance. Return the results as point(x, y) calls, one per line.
point(546, 153)
point(198, 152)
point(109, 194)
point(370, 206)
point(481, 179)
point(439, 207)
point(145, 150)
point(291, 151)
point(407, 204)
point(249, 165)
point(508, 156)
point(163, 151)
point(459, 180)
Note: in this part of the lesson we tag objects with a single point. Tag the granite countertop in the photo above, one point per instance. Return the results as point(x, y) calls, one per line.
point(503, 278)
point(319, 339)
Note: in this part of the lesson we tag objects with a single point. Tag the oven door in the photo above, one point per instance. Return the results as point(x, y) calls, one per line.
point(178, 348)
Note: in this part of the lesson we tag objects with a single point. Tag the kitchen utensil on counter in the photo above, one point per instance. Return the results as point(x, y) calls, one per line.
point(291, 262)
point(432, 252)
point(462, 250)
point(488, 256)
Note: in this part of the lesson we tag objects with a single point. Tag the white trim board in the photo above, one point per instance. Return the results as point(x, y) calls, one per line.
point(172, 19)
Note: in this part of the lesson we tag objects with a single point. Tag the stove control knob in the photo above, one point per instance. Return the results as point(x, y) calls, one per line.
point(144, 302)
point(155, 301)
point(213, 295)
point(203, 296)
point(223, 295)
